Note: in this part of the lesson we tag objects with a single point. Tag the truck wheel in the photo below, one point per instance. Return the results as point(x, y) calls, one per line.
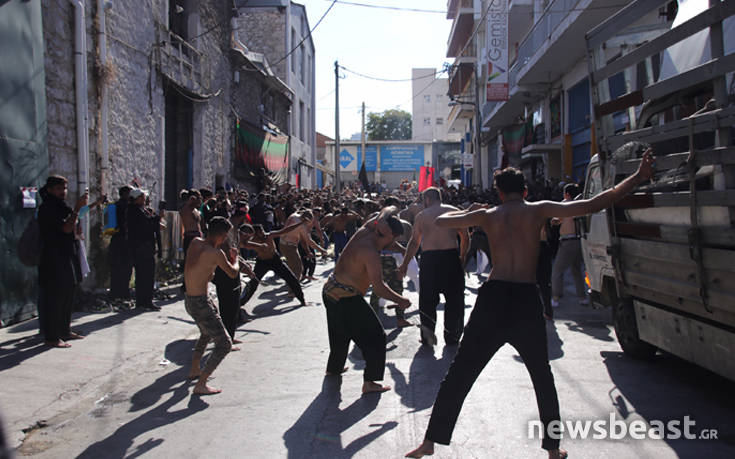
point(626, 330)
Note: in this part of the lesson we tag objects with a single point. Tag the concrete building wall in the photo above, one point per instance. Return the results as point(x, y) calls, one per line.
point(430, 106)
point(135, 93)
point(274, 31)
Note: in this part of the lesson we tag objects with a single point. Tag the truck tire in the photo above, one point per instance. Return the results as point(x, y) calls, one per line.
point(626, 329)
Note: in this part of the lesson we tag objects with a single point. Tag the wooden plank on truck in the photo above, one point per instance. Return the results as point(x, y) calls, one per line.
point(718, 259)
point(706, 122)
point(723, 198)
point(685, 306)
point(711, 236)
point(713, 156)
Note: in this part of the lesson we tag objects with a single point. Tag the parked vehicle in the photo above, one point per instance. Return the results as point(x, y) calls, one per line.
point(664, 258)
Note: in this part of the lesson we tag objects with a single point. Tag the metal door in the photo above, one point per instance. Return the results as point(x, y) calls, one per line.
point(23, 150)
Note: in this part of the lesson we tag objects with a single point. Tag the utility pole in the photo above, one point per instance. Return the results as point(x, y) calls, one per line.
point(336, 127)
point(362, 137)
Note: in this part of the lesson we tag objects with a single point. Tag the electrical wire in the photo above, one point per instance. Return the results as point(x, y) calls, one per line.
point(394, 8)
point(389, 80)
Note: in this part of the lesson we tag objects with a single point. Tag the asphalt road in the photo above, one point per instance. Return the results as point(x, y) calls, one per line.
point(121, 392)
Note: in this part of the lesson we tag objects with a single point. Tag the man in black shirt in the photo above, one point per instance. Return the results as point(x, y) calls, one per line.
point(59, 270)
point(141, 237)
point(121, 268)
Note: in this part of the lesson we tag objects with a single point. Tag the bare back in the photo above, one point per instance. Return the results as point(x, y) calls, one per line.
point(292, 237)
point(513, 230)
point(201, 261)
point(190, 218)
point(434, 237)
point(352, 266)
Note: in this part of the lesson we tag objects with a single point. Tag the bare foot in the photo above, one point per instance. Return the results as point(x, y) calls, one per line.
point(336, 374)
point(58, 343)
point(370, 386)
point(73, 335)
point(425, 449)
point(203, 389)
point(428, 336)
point(558, 454)
point(236, 341)
point(403, 323)
point(235, 349)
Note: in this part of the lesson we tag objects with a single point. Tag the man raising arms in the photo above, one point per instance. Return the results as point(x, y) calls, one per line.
point(191, 220)
point(441, 268)
point(203, 257)
point(289, 242)
point(349, 317)
point(268, 260)
point(508, 307)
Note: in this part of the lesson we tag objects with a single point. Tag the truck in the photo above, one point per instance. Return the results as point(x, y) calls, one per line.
point(663, 258)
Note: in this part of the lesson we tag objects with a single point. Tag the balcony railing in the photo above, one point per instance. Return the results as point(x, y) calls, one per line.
point(550, 20)
point(181, 62)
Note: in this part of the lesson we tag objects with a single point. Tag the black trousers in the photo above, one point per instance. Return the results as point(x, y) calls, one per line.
point(441, 271)
point(145, 264)
point(352, 319)
point(505, 312)
point(543, 276)
point(121, 269)
point(308, 259)
point(228, 297)
point(56, 301)
point(277, 266)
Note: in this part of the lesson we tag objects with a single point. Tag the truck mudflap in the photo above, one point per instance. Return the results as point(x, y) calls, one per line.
point(693, 340)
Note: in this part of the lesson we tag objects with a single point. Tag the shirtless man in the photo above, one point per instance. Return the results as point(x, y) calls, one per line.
point(569, 254)
point(339, 222)
point(191, 222)
point(349, 317)
point(441, 268)
point(203, 257)
point(268, 260)
point(508, 308)
point(289, 243)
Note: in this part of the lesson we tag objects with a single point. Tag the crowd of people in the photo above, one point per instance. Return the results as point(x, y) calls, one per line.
point(377, 240)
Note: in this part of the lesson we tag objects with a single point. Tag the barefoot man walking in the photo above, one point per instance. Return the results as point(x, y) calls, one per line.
point(349, 316)
point(508, 308)
point(441, 268)
point(203, 257)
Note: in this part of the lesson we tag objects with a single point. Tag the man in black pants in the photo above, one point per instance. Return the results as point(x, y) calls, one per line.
point(441, 268)
point(229, 288)
point(349, 316)
point(141, 238)
point(508, 308)
point(121, 268)
point(269, 260)
point(59, 270)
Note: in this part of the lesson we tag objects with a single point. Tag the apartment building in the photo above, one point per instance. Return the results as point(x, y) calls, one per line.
point(280, 30)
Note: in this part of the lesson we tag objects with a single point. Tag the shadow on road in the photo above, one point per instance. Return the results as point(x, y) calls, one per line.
point(173, 383)
point(426, 373)
point(668, 388)
point(318, 431)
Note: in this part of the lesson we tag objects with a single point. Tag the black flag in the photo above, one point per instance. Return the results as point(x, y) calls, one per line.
point(363, 178)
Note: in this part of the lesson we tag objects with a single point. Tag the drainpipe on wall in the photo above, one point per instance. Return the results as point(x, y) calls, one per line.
point(80, 92)
point(104, 147)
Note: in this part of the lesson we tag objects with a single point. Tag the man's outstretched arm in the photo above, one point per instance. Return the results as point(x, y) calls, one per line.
point(603, 200)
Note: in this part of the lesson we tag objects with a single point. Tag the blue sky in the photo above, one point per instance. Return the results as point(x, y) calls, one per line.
point(376, 42)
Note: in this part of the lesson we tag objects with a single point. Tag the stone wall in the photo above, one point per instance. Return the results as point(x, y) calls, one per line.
point(135, 89)
point(263, 30)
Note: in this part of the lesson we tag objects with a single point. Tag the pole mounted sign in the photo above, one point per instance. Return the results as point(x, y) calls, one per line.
point(497, 51)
